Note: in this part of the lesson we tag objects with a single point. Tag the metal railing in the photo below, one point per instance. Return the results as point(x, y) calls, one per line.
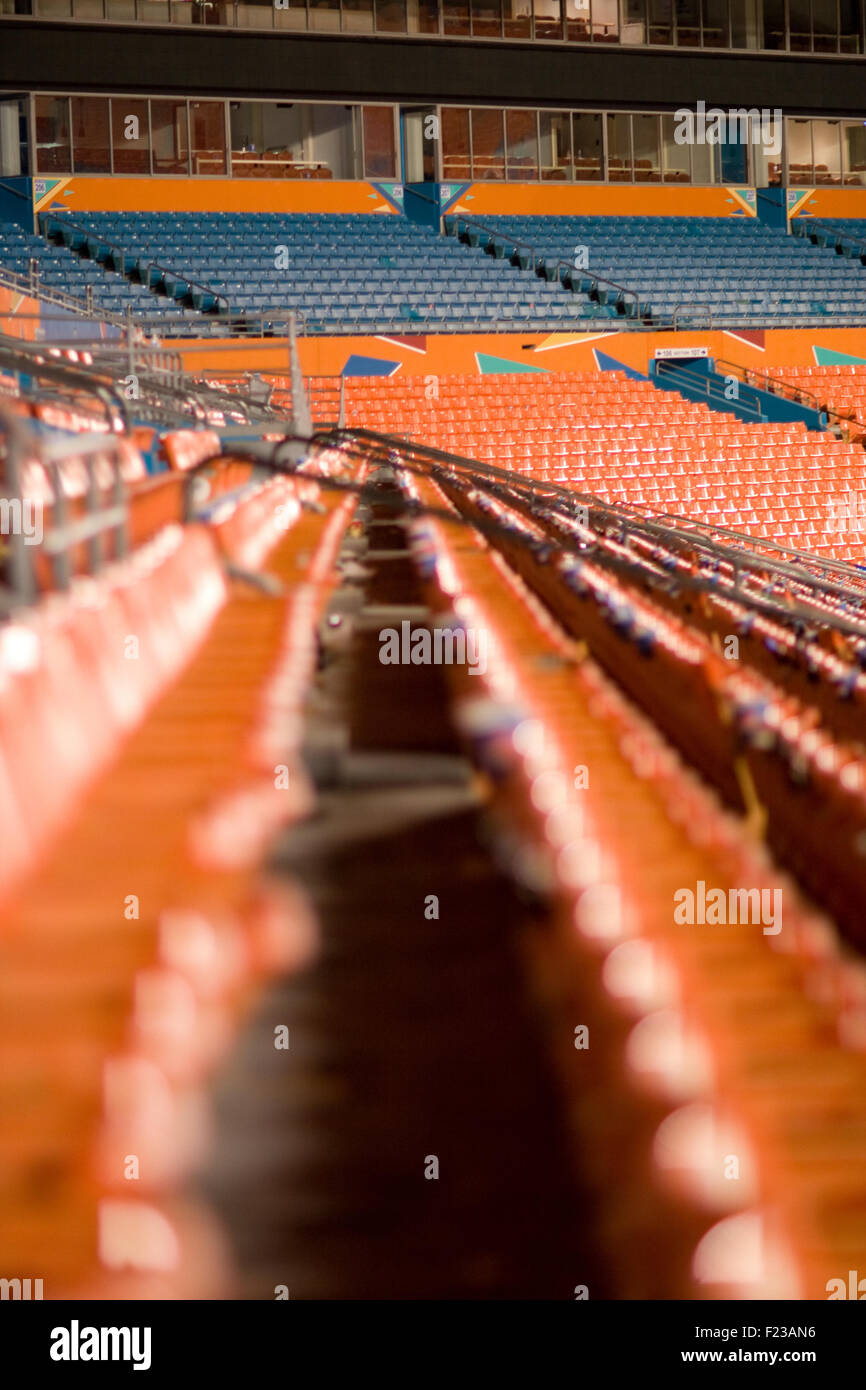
point(763, 382)
point(324, 393)
point(104, 518)
point(35, 288)
point(689, 308)
point(52, 224)
point(675, 372)
point(540, 265)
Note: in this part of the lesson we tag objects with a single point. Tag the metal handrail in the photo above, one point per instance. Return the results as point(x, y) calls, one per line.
point(100, 519)
point(34, 288)
point(572, 270)
point(509, 241)
point(773, 387)
point(701, 383)
point(61, 221)
point(708, 307)
point(187, 280)
point(544, 261)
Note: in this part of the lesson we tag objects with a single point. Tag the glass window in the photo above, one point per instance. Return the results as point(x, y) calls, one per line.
point(53, 152)
point(292, 140)
point(323, 140)
point(380, 154)
point(766, 153)
point(154, 11)
point(555, 129)
point(208, 131)
point(645, 138)
point(255, 14)
point(854, 152)
point(13, 144)
point(455, 16)
point(391, 16)
point(849, 26)
point(619, 161)
point(293, 14)
point(605, 21)
point(688, 23)
point(705, 163)
point(522, 137)
point(456, 159)
point(577, 21)
point(130, 140)
point(324, 15)
point(715, 23)
point(517, 18)
point(800, 22)
point(169, 137)
point(746, 31)
point(661, 21)
point(587, 146)
point(357, 16)
point(634, 22)
point(486, 18)
point(424, 17)
point(826, 152)
point(798, 136)
point(488, 153)
point(676, 162)
point(824, 26)
point(548, 19)
point(90, 141)
point(774, 24)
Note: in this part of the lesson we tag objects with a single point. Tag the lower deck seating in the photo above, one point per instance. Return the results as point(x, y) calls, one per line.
point(624, 441)
point(839, 387)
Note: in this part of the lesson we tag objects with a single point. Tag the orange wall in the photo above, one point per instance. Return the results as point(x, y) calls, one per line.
point(211, 195)
point(829, 202)
point(14, 304)
point(557, 352)
point(650, 200)
point(104, 194)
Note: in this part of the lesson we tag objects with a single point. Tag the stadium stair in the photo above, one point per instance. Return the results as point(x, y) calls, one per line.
point(59, 266)
point(340, 273)
point(699, 379)
point(683, 270)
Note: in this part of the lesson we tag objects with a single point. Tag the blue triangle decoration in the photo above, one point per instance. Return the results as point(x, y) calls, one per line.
point(356, 365)
point(610, 364)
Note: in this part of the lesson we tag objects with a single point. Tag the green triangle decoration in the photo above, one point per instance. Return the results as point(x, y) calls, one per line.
point(829, 357)
point(488, 365)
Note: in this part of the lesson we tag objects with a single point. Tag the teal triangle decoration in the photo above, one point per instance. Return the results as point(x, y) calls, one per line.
point(829, 357)
point(488, 365)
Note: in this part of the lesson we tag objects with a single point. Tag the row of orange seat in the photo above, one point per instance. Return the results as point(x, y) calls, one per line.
point(715, 1067)
point(148, 736)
